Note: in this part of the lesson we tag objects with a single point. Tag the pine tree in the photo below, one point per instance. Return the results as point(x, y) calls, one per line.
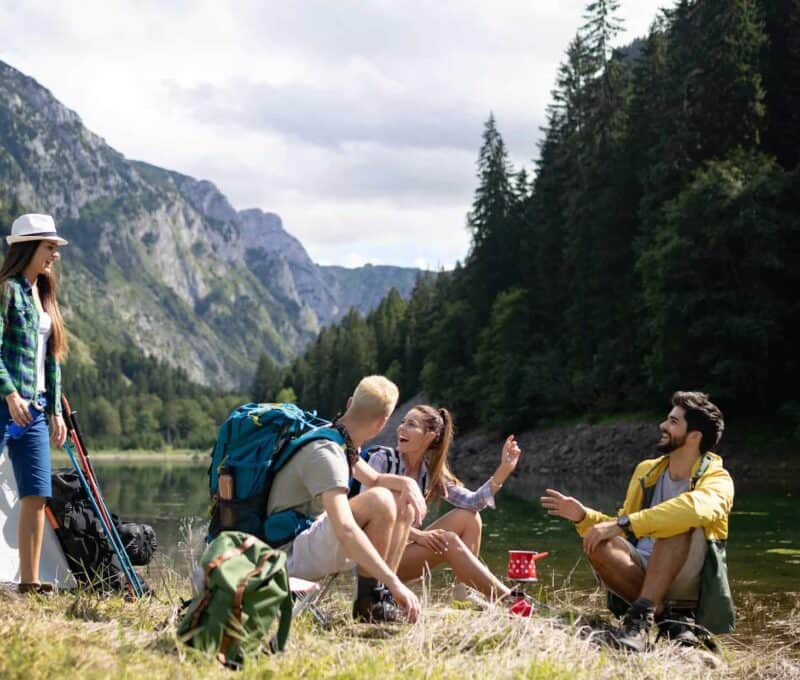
point(601, 27)
point(488, 220)
point(267, 381)
point(782, 80)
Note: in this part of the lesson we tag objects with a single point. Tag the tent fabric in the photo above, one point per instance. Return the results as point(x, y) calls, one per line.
point(53, 565)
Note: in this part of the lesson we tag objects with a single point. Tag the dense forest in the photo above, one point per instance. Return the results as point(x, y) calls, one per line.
point(655, 247)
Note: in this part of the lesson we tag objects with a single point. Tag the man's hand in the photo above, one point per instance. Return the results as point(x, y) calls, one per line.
point(409, 493)
point(406, 599)
point(434, 540)
point(600, 532)
point(563, 506)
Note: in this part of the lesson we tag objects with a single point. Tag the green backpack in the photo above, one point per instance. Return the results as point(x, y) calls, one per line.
point(246, 588)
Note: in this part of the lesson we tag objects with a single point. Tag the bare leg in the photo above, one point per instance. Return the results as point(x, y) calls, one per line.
point(376, 512)
point(614, 565)
point(466, 523)
point(464, 535)
point(669, 555)
point(30, 532)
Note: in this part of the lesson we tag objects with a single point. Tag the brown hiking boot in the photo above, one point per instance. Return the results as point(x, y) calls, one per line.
point(633, 634)
point(378, 607)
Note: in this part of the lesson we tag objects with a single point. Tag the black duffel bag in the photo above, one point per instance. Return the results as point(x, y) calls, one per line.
point(140, 541)
point(80, 532)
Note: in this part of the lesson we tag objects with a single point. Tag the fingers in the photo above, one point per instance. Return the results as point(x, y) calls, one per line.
point(19, 413)
point(552, 500)
point(412, 608)
point(439, 544)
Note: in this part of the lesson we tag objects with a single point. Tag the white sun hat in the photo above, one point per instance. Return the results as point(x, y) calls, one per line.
point(33, 227)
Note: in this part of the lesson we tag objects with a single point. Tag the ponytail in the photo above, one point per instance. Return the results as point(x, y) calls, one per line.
point(439, 421)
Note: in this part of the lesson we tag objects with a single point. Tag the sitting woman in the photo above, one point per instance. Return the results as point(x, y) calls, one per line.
point(423, 442)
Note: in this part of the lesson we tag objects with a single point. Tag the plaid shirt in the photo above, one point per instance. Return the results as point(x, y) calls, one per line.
point(19, 331)
point(458, 496)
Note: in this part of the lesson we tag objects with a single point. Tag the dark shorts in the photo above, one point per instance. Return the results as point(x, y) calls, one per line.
point(29, 455)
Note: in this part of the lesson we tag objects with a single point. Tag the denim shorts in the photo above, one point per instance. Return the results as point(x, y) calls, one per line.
point(30, 454)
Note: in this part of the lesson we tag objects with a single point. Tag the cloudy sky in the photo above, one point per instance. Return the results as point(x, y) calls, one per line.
point(358, 122)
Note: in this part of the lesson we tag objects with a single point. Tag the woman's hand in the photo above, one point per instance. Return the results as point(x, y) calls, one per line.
point(509, 457)
point(58, 430)
point(18, 409)
point(434, 540)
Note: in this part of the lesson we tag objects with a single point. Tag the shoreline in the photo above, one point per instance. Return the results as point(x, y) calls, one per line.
point(187, 456)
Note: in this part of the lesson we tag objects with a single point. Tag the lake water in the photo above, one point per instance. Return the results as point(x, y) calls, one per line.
point(763, 563)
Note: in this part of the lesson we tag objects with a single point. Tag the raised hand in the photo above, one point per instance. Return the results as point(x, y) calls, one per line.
point(559, 505)
point(509, 457)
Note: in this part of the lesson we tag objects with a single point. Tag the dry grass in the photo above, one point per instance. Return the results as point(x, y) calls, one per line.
point(86, 636)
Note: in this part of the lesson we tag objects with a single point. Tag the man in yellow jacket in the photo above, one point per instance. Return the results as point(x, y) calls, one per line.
point(667, 543)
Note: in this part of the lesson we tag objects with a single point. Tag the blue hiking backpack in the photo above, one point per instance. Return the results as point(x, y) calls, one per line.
point(253, 445)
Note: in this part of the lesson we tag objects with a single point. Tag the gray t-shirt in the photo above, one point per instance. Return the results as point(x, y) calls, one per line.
point(666, 488)
point(317, 467)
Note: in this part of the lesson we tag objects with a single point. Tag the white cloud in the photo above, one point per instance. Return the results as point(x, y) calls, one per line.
point(358, 122)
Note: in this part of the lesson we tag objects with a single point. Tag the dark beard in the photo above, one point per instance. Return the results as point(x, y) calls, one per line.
point(670, 445)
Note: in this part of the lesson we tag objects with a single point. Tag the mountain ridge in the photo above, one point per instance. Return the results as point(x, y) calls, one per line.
point(163, 261)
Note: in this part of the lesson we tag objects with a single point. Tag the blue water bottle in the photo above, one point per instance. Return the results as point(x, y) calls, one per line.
point(16, 431)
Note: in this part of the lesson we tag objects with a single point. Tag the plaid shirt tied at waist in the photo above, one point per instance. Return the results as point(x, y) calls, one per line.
point(19, 331)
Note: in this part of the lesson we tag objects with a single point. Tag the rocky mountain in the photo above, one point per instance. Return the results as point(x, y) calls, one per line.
point(162, 260)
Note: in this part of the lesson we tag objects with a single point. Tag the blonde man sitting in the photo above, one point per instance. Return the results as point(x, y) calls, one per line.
point(369, 531)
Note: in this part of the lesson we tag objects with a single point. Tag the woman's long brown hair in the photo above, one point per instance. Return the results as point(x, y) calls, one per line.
point(17, 259)
point(440, 422)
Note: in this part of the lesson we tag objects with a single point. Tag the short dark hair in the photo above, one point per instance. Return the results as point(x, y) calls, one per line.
point(701, 416)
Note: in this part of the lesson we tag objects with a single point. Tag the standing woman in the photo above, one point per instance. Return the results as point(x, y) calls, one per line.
point(32, 343)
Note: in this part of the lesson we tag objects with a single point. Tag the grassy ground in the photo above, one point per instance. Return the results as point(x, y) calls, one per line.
point(86, 636)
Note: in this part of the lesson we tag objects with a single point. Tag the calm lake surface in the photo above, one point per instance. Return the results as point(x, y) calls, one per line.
point(763, 561)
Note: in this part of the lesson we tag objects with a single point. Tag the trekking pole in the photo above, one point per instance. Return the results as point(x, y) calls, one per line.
point(105, 515)
point(133, 582)
point(94, 492)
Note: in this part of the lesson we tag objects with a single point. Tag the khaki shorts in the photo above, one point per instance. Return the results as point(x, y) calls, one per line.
point(316, 552)
point(685, 589)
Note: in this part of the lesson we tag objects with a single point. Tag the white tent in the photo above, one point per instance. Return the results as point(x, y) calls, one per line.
point(53, 565)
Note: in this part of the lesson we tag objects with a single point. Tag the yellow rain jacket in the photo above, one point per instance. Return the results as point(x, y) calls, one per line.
point(706, 504)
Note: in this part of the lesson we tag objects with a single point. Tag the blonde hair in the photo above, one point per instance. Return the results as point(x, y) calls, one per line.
point(374, 397)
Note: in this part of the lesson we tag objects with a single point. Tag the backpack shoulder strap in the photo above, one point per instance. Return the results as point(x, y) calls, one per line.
point(701, 470)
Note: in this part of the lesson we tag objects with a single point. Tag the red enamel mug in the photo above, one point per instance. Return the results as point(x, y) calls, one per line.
point(522, 564)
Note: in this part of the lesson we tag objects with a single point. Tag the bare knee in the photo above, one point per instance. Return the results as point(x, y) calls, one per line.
point(381, 502)
point(33, 503)
point(603, 555)
point(454, 543)
point(474, 520)
point(405, 512)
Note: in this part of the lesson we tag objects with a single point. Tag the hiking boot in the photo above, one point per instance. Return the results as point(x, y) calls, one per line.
point(633, 633)
point(678, 627)
point(378, 607)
